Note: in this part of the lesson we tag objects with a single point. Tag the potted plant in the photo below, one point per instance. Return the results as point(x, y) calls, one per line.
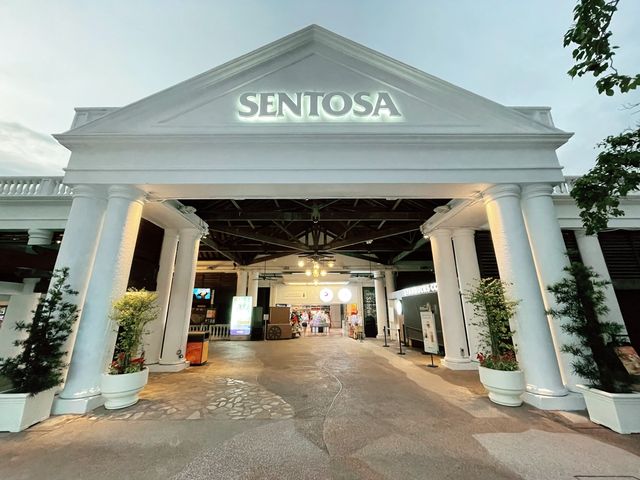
point(499, 371)
point(38, 369)
point(127, 374)
point(608, 394)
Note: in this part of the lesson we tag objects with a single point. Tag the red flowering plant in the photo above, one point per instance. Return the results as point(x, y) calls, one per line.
point(493, 311)
point(132, 313)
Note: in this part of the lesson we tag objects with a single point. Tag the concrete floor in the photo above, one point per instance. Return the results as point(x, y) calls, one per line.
point(323, 407)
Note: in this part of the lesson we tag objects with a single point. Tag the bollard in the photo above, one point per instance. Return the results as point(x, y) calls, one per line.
point(400, 344)
point(384, 330)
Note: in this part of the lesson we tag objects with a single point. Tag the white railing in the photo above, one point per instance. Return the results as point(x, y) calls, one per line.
point(565, 187)
point(33, 186)
point(216, 332)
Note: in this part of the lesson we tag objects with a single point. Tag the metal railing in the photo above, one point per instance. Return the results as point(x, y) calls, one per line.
point(33, 186)
point(216, 332)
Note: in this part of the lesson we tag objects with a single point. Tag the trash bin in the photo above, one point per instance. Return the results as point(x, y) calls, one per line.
point(198, 348)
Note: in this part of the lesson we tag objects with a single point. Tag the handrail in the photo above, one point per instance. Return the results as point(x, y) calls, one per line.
point(33, 187)
point(216, 332)
point(565, 187)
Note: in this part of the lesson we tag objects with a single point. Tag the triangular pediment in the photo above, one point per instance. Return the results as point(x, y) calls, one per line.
point(313, 81)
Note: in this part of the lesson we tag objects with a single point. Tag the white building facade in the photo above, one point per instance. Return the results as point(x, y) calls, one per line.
point(318, 111)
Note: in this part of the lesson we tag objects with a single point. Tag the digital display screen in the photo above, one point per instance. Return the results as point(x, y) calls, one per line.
point(202, 293)
point(241, 309)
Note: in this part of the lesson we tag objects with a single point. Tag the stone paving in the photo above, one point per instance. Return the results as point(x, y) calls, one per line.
point(200, 393)
point(321, 408)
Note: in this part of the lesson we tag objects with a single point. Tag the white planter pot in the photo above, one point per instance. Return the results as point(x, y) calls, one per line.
point(121, 391)
point(618, 411)
point(505, 388)
point(20, 410)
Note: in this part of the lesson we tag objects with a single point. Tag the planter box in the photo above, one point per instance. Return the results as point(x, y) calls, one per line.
point(122, 391)
point(505, 388)
point(20, 410)
point(618, 411)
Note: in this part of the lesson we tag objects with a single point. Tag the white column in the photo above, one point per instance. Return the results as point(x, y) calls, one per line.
point(535, 351)
point(153, 339)
point(591, 254)
point(39, 236)
point(391, 311)
point(550, 258)
point(180, 300)
point(29, 284)
point(254, 277)
point(79, 244)
point(453, 332)
point(241, 285)
point(97, 333)
point(18, 310)
point(381, 302)
point(468, 276)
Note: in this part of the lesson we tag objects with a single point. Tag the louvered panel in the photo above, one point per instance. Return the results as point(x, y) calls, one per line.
point(621, 250)
point(486, 255)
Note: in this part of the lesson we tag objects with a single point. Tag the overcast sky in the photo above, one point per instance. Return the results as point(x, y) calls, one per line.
point(56, 55)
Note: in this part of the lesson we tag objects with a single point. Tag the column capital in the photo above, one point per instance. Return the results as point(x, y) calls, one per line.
point(441, 233)
point(582, 233)
point(127, 192)
point(534, 190)
point(189, 233)
point(378, 274)
point(463, 232)
point(89, 191)
point(500, 191)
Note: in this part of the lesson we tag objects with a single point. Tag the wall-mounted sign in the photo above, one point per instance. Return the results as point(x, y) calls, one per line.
point(241, 308)
point(326, 295)
point(413, 291)
point(344, 295)
point(323, 106)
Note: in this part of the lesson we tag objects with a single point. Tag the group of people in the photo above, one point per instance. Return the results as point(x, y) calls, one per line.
point(316, 320)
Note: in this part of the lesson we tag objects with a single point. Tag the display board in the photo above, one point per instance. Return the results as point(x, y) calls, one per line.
point(241, 316)
point(429, 331)
point(369, 302)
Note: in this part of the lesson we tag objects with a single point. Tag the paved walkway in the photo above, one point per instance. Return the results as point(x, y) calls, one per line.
point(320, 407)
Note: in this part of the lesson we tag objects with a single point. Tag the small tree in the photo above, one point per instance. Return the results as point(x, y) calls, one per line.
point(132, 313)
point(40, 365)
point(581, 300)
point(494, 310)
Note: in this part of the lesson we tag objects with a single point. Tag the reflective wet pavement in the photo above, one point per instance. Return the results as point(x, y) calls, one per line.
point(317, 407)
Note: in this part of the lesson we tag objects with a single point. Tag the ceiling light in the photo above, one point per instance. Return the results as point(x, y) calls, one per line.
point(301, 263)
point(307, 273)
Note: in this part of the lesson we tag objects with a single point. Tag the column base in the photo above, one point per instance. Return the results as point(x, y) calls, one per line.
point(458, 364)
point(167, 367)
point(77, 406)
point(572, 401)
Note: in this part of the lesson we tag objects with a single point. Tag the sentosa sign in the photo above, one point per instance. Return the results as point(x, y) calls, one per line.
point(303, 106)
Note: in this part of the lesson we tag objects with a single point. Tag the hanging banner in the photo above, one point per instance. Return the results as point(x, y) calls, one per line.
point(429, 331)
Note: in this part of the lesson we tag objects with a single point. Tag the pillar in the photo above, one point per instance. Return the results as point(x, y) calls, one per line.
point(153, 339)
point(591, 254)
point(535, 350)
point(254, 278)
point(78, 247)
point(39, 236)
point(550, 258)
point(241, 285)
point(19, 309)
point(468, 276)
point(391, 311)
point(180, 300)
point(97, 333)
point(381, 302)
point(456, 354)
